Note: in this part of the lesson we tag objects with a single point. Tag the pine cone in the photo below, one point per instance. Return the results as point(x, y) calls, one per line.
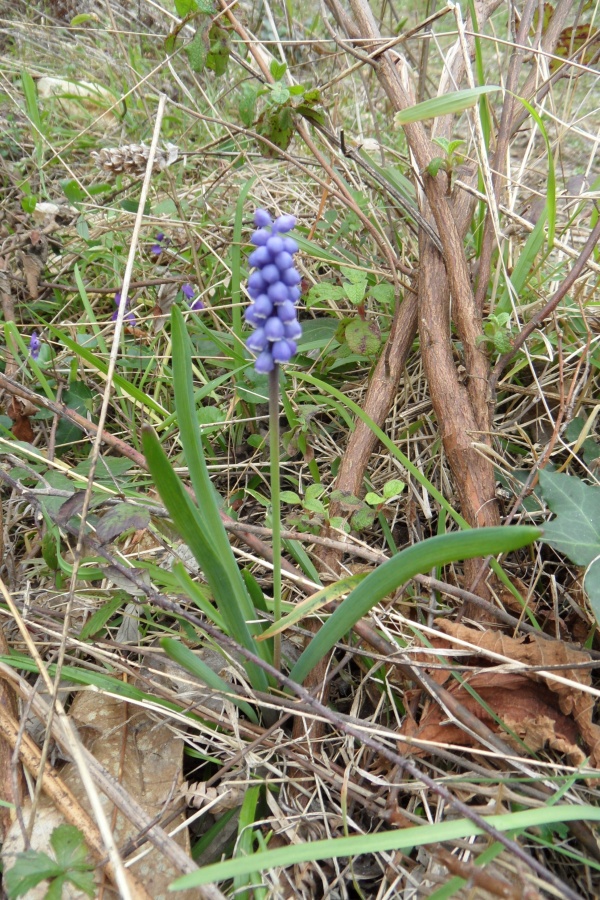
point(133, 158)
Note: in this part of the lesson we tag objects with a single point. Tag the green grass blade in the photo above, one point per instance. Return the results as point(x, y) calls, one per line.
point(129, 389)
point(188, 521)
point(236, 259)
point(422, 557)
point(182, 655)
point(447, 104)
point(524, 264)
point(233, 595)
point(404, 839)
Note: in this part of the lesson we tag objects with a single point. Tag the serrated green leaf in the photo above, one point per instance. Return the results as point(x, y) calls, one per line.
point(315, 506)
point(363, 338)
point(447, 104)
point(30, 868)
point(434, 166)
point(383, 293)
point(278, 127)
point(69, 847)
point(279, 94)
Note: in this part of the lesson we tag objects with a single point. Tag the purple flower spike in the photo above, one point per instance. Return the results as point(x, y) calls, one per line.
point(35, 345)
point(274, 288)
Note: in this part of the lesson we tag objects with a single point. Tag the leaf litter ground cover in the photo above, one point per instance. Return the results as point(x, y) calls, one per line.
point(440, 409)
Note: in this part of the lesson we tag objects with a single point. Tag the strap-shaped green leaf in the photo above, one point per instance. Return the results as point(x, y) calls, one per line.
point(445, 105)
point(435, 551)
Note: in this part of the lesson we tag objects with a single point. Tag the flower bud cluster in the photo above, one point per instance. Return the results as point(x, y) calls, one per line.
point(274, 287)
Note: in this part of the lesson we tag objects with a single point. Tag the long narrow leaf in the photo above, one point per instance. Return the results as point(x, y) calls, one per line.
point(188, 522)
point(232, 597)
point(445, 105)
point(435, 551)
point(181, 654)
point(399, 839)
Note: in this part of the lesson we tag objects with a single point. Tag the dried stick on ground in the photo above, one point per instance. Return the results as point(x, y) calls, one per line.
point(462, 410)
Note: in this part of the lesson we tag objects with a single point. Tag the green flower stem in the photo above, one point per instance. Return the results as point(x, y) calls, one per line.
point(275, 506)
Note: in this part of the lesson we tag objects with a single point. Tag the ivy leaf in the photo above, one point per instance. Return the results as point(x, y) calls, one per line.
point(121, 518)
point(576, 529)
point(363, 338)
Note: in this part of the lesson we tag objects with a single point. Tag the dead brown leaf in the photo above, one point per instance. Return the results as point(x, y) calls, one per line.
point(536, 708)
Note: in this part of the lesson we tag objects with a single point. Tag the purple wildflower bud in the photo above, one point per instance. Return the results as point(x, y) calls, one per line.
point(290, 246)
point(292, 330)
point(35, 345)
point(156, 249)
point(188, 291)
point(262, 218)
point(160, 237)
point(274, 329)
point(283, 260)
point(282, 351)
point(197, 305)
point(257, 341)
point(260, 237)
point(260, 257)
point(256, 283)
point(251, 318)
point(278, 292)
point(284, 223)
point(291, 277)
point(286, 312)
point(264, 363)
point(263, 308)
point(270, 274)
point(118, 298)
point(275, 245)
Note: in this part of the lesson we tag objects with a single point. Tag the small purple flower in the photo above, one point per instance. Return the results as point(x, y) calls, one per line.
point(274, 288)
point(188, 291)
point(197, 305)
point(35, 345)
point(128, 317)
point(162, 242)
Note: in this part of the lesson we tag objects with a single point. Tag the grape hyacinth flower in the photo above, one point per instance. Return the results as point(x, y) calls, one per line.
point(274, 287)
point(35, 345)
